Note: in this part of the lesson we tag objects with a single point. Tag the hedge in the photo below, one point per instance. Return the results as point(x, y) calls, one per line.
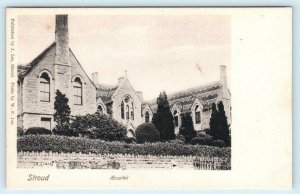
point(39, 143)
point(37, 130)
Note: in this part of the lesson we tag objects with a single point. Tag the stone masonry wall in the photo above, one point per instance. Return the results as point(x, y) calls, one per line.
point(114, 161)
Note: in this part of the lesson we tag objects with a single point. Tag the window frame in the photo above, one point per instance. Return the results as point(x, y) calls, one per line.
point(45, 81)
point(176, 118)
point(197, 115)
point(75, 88)
point(147, 117)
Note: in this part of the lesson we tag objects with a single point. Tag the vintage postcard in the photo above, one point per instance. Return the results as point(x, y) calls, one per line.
point(149, 98)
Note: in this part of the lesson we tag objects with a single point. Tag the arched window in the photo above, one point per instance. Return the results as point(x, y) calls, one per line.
point(197, 115)
point(175, 114)
point(132, 111)
point(122, 110)
point(77, 86)
point(147, 117)
point(100, 109)
point(127, 112)
point(45, 87)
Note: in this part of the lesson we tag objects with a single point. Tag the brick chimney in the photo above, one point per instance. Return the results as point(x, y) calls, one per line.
point(95, 78)
point(223, 76)
point(62, 40)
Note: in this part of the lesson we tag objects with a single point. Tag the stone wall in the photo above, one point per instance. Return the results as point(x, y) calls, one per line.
point(126, 89)
point(114, 161)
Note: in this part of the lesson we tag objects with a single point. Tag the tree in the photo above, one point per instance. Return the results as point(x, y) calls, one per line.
point(187, 127)
point(219, 127)
point(213, 121)
point(163, 118)
point(62, 111)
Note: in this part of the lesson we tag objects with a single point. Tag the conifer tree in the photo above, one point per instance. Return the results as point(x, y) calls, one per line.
point(62, 111)
point(213, 121)
point(163, 118)
point(219, 128)
point(187, 127)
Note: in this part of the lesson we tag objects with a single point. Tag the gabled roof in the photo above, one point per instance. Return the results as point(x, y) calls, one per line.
point(23, 70)
point(207, 95)
point(105, 92)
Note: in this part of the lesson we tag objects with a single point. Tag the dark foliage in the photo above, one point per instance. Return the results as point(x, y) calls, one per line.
point(98, 126)
point(62, 111)
point(201, 141)
point(129, 140)
point(219, 143)
point(219, 128)
point(163, 118)
point(146, 132)
point(37, 131)
point(84, 145)
point(187, 127)
point(20, 132)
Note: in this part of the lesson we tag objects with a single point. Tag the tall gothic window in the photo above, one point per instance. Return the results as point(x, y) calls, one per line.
point(127, 112)
point(132, 111)
point(147, 117)
point(45, 88)
point(197, 115)
point(77, 91)
point(122, 110)
point(175, 114)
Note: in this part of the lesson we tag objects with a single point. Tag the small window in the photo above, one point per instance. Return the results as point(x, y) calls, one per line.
point(132, 111)
point(175, 114)
point(147, 117)
point(127, 112)
point(46, 123)
point(122, 110)
point(44, 88)
point(197, 115)
point(77, 89)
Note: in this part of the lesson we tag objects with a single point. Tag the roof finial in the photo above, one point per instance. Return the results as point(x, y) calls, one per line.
point(125, 73)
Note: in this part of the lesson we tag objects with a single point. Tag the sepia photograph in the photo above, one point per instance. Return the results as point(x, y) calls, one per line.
point(144, 91)
point(126, 98)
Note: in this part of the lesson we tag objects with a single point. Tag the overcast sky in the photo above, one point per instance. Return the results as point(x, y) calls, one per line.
point(159, 52)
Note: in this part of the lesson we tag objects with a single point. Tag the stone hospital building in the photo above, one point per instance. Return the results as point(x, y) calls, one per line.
point(57, 68)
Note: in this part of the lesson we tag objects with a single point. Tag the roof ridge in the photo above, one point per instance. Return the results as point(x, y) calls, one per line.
point(184, 90)
point(36, 59)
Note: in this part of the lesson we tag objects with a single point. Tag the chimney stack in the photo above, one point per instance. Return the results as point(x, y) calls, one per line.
point(62, 40)
point(223, 76)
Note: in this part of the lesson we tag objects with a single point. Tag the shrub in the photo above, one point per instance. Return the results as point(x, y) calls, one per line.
point(176, 141)
point(219, 143)
point(20, 131)
point(65, 132)
point(98, 126)
point(37, 131)
point(129, 140)
point(180, 138)
point(146, 132)
point(201, 141)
